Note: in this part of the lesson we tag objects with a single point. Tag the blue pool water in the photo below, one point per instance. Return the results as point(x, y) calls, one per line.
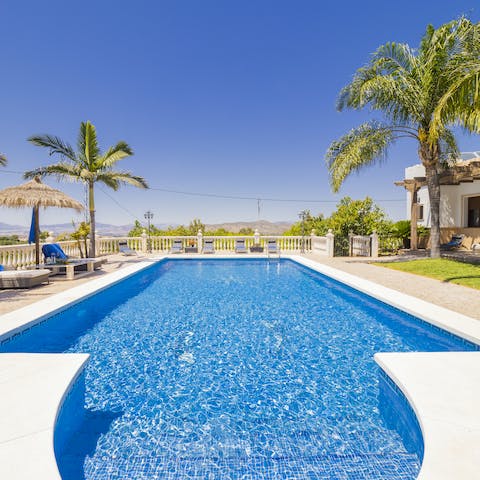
point(237, 369)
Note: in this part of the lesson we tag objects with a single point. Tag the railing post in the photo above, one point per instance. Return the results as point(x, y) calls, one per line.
point(98, 244)
point(144, 241)
point(312, 236)
point(350, 243)
point(256, 237)
point(330, 243)
point(199, 241)
point(374, 244)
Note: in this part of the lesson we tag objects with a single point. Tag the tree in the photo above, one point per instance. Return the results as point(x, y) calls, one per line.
point(421, 93)
point(317, 224)
point(80, 235)
point(195, 225)
point(3, 160)
point(362, 217)
point(87, 165)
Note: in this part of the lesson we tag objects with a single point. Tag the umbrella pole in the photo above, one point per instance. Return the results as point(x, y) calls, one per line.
point(37, 237)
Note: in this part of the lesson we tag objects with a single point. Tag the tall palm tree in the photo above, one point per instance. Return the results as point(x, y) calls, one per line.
point(421, 93)
point(87, 165)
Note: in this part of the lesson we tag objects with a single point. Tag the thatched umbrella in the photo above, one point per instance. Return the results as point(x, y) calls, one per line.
point(36, 194)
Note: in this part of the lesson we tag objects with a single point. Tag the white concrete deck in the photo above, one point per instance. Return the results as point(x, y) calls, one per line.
point(444, 391)
point(452, 379)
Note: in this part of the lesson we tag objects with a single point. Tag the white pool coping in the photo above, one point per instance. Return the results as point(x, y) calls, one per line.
point(444, 372)
point(33, 387)
point(444, 391)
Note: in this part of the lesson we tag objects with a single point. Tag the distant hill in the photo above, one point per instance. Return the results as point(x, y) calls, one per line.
point(264, 226)
point(104, 229)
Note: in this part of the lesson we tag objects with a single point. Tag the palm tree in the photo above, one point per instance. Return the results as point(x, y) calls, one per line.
point(3, 160)
point(422, 93)
point(87, 165)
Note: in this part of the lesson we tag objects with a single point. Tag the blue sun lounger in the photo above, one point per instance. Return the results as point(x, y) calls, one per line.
point(455, 242)
point(54, 251)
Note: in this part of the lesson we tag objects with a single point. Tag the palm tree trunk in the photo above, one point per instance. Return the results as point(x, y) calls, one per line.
point(433, 184)
point(91, 206)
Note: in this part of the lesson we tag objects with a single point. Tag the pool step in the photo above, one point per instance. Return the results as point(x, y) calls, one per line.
point(323, 467)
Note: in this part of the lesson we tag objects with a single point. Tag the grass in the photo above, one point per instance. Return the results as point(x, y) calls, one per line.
point(448, 271)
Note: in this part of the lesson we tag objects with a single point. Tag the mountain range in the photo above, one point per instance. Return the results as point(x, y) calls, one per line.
point(104, 229)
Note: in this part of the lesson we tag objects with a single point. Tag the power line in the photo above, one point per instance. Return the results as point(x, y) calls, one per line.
point(136, 217)
point(239, 197)
point(256, 199)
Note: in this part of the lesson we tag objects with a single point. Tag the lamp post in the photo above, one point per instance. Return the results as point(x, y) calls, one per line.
point(303, 215)
point(148, 216)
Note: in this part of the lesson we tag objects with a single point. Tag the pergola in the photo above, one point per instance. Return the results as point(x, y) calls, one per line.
point(461, 172)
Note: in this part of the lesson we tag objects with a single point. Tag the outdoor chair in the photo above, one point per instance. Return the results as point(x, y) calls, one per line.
point(125, 249)
point(208, 246)
point(177, 246)
point(272, 247)
point(240, 246)
point(455, 242)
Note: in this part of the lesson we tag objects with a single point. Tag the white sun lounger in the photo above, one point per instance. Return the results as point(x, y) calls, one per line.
point(208, 246)
point(177, 246)
point(125, 249)
point(240, 246)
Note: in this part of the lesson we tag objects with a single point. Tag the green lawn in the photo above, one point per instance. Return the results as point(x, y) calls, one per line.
point(441, 269)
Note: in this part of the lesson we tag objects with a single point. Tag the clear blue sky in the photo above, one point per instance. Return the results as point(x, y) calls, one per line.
point(233, 98)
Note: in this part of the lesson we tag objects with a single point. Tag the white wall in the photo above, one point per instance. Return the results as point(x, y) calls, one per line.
point(453, 200)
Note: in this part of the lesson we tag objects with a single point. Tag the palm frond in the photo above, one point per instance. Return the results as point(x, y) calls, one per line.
point(62, 171)
point(360, 147)
point(448, 147)
point(388, 83)
point(112, 178)
point(88, 145)
point(54, 144)
point(114, 154)
point(460, 102)
point(395, 56)
point(3, 160)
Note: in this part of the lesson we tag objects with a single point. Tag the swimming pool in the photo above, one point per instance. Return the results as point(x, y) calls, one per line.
point(237, 369)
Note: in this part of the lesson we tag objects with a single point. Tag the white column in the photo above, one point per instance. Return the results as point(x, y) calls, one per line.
point(374, 244)
point(199, 241)
point(330, 243)
point(144, 241)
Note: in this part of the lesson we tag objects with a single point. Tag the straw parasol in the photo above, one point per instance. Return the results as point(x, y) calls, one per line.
point(36, 194)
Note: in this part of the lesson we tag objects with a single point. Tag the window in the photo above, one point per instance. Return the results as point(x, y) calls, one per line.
point(419, 211)
point(474, 212)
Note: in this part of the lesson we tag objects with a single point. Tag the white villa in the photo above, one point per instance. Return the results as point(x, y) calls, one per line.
point(459, 198)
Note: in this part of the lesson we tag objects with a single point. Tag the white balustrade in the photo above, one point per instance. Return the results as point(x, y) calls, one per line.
point(22, 256)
